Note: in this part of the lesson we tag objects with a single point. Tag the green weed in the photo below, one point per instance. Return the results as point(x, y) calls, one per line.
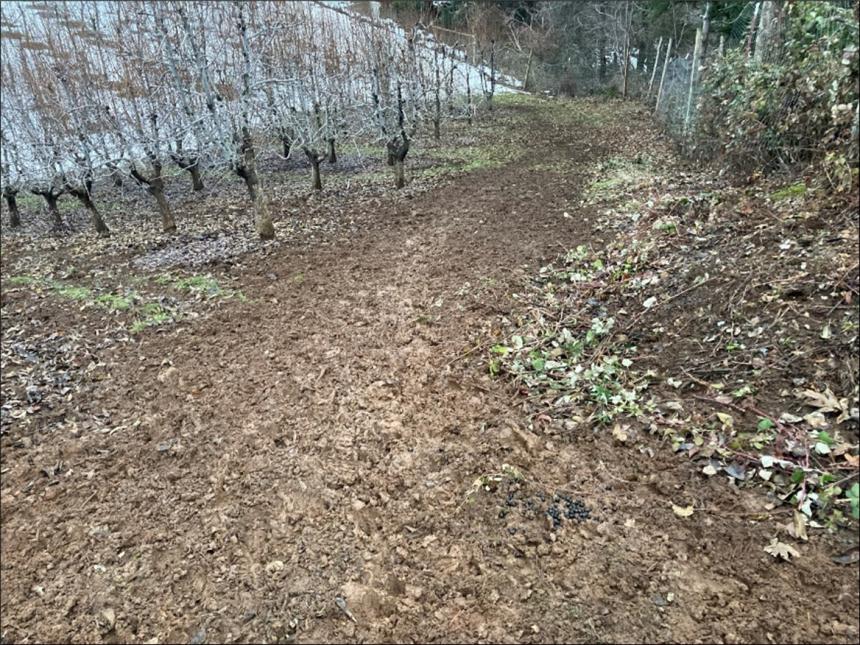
point(200, 283)
point(71, 292)
point(115, 302)
point(22, 280)
point(792, 190)
point(154, 315)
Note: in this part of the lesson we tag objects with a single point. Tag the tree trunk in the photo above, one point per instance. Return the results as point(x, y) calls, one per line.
point(528, 71)
point(53, 211)
point(706, 30)
point(626, 67)
point(752, 30)
point(315, 173)
point(602, 68)
point(98, 222)
point(854, 149)
point(262, 216)
point(288, 145)
point(196, 180)
point(468, 95)
point(492, 73)
point(626, 49)
point(437, 99)
point(399, 175)
point(87, 202)
point(250, 179)
point(12, 203)
point(332, 155)
point(156, 189)
point(265, 227)
point(766, 31)
point(398, 149)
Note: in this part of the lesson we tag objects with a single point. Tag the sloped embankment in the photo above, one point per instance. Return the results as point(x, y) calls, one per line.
point(721, 319)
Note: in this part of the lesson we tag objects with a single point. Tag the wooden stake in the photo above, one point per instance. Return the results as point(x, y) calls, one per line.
point(663, 75)
point(694, 77)
point(654, 71)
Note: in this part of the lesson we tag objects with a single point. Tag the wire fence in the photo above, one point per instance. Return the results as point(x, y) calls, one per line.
point(720, 97)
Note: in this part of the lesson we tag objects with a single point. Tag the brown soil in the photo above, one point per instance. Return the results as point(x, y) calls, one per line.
point(322, 440)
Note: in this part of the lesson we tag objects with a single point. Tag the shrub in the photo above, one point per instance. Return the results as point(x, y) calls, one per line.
point(799, 106)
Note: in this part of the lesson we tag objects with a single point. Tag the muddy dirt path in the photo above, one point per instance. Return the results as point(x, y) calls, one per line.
point(320, 441)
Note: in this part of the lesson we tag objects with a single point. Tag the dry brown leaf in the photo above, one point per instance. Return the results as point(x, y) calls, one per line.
point(682, 511)
point(781, 550)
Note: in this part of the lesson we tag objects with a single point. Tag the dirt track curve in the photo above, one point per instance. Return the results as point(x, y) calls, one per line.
point(318, 441)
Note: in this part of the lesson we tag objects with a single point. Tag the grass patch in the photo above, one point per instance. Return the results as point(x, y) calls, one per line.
point(471, 158)
point(208, 286)
point(65, 204)
point(792, 190)
point(154, 315)
point(204, 284)
point(146, 313)
point(71, 291)
point(115, 302)
point(618, 175)
point(22, 280)
point(506, 99)
point(666, 226)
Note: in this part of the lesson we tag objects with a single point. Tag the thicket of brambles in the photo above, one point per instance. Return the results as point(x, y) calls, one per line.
point(792, 101)
point(101, 91)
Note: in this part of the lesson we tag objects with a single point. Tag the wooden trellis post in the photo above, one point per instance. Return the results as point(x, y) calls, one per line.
point(663, 75)
point(654, 70)
point(694, 75)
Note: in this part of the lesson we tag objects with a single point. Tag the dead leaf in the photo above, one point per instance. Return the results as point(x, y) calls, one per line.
point(619, 433)
point(797, 527)
point(106, 620)
point(781, 550)
point(825, 401)
point(726, 419)
point(682, 511)
point(816, 420)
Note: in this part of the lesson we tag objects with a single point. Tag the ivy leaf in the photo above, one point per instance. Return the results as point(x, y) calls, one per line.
point(764, 424)
point(854, 498)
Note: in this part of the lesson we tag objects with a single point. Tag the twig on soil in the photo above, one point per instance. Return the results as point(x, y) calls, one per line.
point(615, 477)
point(721, 512)
point(599, 352)
point(745, 410)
